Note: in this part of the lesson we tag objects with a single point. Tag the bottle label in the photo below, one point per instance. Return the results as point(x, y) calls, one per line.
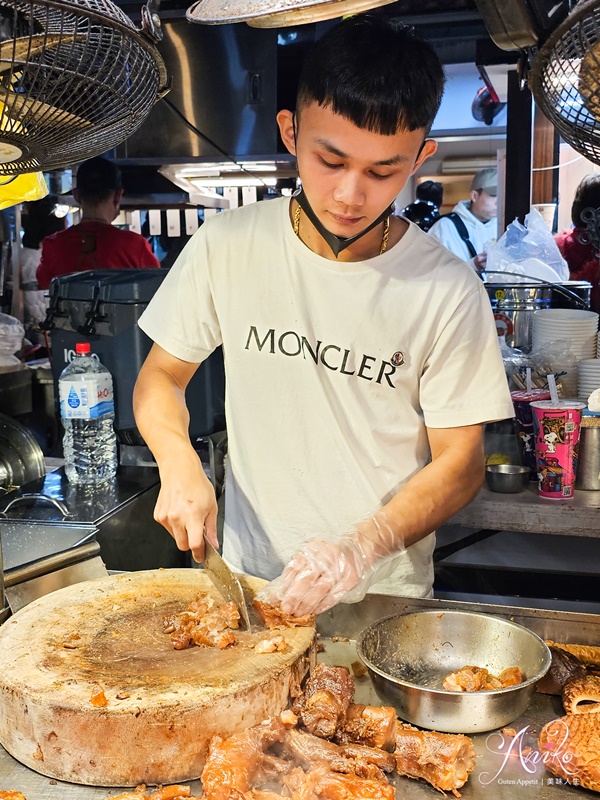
point(89, 397)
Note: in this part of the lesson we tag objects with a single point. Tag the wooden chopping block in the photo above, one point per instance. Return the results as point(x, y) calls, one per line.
point(163, 705)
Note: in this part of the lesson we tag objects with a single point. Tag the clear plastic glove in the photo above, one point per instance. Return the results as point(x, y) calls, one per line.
point(323, 573)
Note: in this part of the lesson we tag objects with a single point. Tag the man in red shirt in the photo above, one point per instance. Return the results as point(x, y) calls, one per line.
point(94, 243)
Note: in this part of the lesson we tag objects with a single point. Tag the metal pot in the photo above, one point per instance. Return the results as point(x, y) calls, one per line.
point(409, 655)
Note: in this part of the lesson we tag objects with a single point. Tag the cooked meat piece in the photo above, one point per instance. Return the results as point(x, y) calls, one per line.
point(467, 679)
point(234, 763)
point(372, 755)
point(327, 694)
point(320, 783)
point(10, 795)
point(203, 623)
point(478, 679)
point(174, 792)
point(275, 644)
point(512, 676)
point(570, 746)
point(442, 759)
point(273, 617)
point(308, 749)
point(257, 794)
point(581, 695)
point(586, 653)
point(98, 698)
point(374, 726)
point(366, 762)
point(564, 666)
point(358, 669)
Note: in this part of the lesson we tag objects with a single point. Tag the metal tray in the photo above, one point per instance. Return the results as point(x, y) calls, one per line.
point(505, 765)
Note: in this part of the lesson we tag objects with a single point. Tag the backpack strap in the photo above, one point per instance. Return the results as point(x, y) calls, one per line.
point(462, 231)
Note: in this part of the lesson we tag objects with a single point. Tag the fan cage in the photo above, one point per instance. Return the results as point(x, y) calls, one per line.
point(76, 79)
point(565, 79)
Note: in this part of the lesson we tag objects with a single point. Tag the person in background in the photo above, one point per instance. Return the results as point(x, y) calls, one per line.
point(580, 245)
point(471, 223)
point(361, 357)
point(426, 208)
point(37, 221)
point(95, 243)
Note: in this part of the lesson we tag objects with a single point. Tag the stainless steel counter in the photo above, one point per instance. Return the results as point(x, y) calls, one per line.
point(505, 765)
point(526, 512)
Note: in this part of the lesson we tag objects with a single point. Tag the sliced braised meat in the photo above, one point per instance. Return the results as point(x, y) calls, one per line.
point(374, 726)
point(327, 694)
point(444, 760)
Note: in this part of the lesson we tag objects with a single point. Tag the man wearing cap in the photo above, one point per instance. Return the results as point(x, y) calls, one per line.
point(472, 223)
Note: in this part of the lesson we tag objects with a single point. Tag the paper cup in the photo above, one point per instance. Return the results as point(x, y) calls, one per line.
point(556, 446)
point(524, 425)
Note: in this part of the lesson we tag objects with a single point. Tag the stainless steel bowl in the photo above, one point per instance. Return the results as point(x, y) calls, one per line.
point(409, 655)
point(508, 478)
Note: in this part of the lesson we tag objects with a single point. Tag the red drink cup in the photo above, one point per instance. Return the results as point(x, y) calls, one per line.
point(556, 443)
point(524, 425)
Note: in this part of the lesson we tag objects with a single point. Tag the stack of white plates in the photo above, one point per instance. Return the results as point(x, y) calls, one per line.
point(589, 377)
point(598, 348)
point(577, 329)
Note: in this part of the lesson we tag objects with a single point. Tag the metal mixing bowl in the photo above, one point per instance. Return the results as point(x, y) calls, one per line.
point(409, 655)
point(507, 478)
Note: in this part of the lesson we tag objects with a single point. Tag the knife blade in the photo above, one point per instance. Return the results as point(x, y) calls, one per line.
point(225, 581)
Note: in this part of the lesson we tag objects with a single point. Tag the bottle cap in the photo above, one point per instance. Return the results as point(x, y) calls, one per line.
point(82, 347)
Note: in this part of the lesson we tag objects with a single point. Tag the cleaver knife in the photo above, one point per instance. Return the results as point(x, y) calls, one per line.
point(225, 581)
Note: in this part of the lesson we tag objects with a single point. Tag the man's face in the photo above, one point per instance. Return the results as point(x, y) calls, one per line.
point(483, 205)
point(350, 175)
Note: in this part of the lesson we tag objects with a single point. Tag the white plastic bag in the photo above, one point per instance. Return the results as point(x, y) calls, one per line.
point(524, 252)
point(11, 339)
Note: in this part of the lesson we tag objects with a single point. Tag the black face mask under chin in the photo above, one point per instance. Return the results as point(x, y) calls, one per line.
point(336, 243)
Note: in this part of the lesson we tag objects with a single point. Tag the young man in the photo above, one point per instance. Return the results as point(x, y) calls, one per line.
point(472, 223)
point(94, 243)
point(361, 357)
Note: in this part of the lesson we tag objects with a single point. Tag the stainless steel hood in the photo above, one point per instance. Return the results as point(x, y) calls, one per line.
point(223, 100)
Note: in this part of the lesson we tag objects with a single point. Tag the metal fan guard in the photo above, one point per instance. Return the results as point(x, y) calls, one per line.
point(565, 79)
point(76, 79)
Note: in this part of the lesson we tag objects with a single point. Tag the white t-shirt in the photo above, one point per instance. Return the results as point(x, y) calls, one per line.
point(333, 370)
point(480, 233)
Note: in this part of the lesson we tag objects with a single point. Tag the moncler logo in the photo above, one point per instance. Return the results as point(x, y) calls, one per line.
point(397, 359)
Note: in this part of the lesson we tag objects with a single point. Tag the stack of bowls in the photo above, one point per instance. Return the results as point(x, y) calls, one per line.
point(577, 329)
point(589, 377)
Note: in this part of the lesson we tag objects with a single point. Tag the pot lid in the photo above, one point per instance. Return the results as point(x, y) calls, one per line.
point(275, 13)
point(21, 458)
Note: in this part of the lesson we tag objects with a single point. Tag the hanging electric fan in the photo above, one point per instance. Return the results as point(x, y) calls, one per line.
point(565, 79)
point(76, 79)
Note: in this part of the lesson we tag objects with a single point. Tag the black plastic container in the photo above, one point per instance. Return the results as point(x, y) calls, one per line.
point(102, 307)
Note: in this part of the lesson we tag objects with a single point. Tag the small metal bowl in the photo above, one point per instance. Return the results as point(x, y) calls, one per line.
point(507, 478)
point(409, 655)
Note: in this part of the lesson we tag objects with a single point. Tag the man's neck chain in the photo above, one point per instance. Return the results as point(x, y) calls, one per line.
point(384, 240)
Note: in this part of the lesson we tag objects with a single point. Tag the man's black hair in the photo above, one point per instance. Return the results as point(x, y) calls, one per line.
point(430, 190)
point(375, 72)
point(587, 195)
point(39, 221)
point(97, 179)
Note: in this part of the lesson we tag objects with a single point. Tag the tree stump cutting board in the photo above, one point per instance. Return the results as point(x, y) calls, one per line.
point(163, 705)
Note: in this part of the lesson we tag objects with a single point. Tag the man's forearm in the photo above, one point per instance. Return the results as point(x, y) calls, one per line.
point(435, 493)
point(160, 412)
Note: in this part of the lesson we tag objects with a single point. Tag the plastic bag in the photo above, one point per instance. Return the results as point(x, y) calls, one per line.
point(553, 357)
point(524, 252)
point(22, 188)
point(11, 339)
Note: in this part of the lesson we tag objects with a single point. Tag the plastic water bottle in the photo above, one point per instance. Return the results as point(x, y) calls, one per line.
point(87, 411)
